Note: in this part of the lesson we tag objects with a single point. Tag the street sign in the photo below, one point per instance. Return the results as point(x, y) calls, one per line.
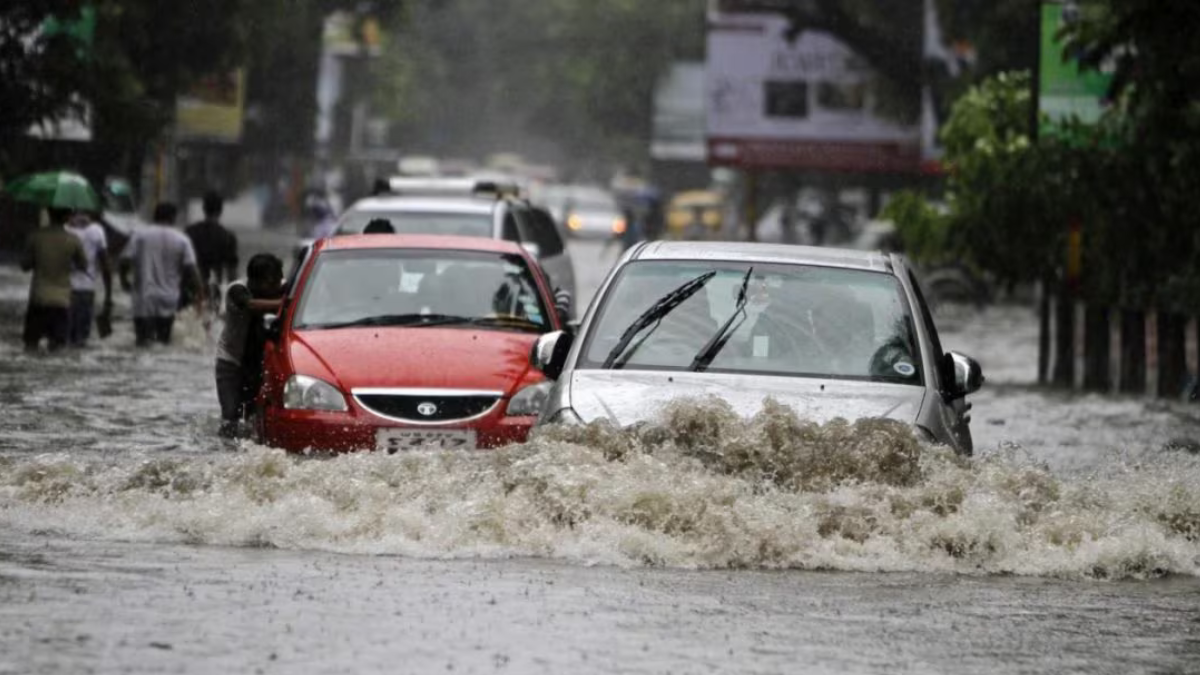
point(213, 109)
point(1066, 91)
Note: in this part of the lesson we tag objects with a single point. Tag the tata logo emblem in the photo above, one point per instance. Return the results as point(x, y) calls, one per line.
point(427, 409)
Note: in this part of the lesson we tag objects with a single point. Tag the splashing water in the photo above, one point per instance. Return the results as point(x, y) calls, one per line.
point(700, 487)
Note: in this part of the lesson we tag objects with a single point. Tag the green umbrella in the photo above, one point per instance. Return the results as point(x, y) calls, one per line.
point(61, 189)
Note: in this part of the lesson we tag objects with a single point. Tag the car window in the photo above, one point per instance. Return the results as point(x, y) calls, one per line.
point(348, 286)
point(545, 233)
point(420, 222)
point(509, 229)
point(926, 318)
point(799, 320)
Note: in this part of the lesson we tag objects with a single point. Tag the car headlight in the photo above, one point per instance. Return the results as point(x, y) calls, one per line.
point(308, 393)
point(529, 401)
point(566, 416)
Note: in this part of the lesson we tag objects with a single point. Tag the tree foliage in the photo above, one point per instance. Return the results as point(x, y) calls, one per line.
point(39, 77)
point(1128, 182)
point(144, 53)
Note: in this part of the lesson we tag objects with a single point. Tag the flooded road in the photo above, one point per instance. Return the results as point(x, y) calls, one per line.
point(132, 541)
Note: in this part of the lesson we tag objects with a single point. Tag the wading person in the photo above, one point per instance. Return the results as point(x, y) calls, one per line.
point(83, 282)
point(240, 347)
point(52, 254)
point(161, 259)
point(216, 247)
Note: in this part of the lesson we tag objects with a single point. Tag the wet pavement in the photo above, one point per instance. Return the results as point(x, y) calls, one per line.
point(132, 541)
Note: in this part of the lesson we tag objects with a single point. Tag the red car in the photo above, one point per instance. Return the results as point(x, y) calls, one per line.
point(399, 342)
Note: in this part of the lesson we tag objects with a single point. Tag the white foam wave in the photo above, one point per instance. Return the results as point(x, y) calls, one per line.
point(699, 488)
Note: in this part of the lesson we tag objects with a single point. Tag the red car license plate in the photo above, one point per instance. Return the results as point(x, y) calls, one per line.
point(392, 441)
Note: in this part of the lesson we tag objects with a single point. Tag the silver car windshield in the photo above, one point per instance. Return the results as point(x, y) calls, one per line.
point(410, 287)
point(796, 321)
point(419, 222)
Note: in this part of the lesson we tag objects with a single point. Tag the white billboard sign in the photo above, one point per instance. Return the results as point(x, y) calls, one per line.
point(808, 103)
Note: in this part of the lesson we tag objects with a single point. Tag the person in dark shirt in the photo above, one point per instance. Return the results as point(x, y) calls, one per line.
point(216, 247)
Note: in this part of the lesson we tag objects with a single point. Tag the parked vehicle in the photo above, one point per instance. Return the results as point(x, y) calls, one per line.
point(465, 207)
point(400, 342)
point(830, 332)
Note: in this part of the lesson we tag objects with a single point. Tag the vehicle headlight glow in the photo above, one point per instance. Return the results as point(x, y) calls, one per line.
point(619, 225)
point(575, 222)
point(308, 393)
point(529, 401)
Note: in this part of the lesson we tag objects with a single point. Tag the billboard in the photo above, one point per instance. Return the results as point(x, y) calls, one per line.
point(1064, 90)
point(808, 103)
point(679, 133)
point(213, 109)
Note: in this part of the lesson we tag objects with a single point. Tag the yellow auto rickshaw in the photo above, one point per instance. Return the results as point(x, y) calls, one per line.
point(695, 215)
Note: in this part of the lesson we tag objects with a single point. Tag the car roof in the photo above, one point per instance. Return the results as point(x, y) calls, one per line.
point(736, 251)
point(424, 204)
point(420, 241)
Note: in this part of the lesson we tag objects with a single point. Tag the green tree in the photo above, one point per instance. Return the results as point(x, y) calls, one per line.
point(1146, 183)
point(39, 74)
point(146, 53)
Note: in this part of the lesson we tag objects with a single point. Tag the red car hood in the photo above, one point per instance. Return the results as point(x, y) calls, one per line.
point(416, 357)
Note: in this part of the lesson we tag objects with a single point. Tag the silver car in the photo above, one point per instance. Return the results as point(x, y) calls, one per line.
point(466, 207)
point(830, 332)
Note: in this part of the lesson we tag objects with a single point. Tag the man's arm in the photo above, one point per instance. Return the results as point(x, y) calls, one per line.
point(125, 264)
point(192, 273)
point(265, 306)
point(239, 297)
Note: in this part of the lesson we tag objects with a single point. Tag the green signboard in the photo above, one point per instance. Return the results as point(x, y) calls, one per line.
point(1065, 91)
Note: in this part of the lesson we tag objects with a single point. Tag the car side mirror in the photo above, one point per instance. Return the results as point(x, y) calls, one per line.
point(967, 376)
point(271, 325)
point(550, 353)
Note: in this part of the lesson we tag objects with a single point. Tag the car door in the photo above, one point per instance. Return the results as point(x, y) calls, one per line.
point(535, 230)
point(552, 251)
point(945, 412)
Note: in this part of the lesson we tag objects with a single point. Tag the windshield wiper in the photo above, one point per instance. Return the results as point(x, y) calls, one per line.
point(657, 311)
point(714, 346)
point(407, 320)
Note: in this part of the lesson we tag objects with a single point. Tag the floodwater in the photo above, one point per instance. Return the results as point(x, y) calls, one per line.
point(132, 541)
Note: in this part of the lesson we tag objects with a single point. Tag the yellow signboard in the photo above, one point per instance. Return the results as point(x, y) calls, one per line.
point(213, 109)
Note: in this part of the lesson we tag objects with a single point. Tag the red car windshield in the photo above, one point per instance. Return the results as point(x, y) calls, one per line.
point(407, 287)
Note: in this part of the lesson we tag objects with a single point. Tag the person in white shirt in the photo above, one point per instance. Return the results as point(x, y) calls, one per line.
point(161, 259)
point(83, 282)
